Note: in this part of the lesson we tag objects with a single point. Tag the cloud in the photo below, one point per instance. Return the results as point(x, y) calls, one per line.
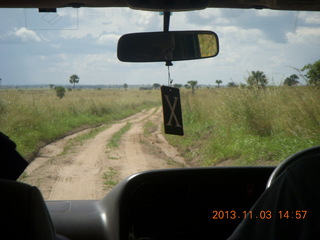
point(64, 18)
point(108, 39)
point(274, 24)
point(233, 34)
point(305, 35)
point(96, 22)
point(310, 17)
point(21, 35)
point(250, 40)
point(27, 35)
point(268, 13)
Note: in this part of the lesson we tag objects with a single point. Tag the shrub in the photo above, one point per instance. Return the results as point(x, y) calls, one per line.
point(60, 91)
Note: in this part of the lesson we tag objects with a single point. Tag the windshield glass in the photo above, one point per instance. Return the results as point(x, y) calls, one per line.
point(255, 103)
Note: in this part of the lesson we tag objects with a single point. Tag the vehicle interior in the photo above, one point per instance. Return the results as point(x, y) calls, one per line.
point(176, 203)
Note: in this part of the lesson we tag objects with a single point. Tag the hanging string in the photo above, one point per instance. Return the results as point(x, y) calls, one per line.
point(169, 78)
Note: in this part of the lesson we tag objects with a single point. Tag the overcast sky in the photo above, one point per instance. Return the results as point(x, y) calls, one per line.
point(48, 48)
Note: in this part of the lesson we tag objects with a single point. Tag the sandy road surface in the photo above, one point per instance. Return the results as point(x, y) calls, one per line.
point(76, 172)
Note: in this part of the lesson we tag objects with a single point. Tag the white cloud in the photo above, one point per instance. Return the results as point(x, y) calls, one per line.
point(20, 35)
point(108, 39)
point(304, 35)
point(27, 35)
point(209, 14)
point(237, 35)
point(248, 42)
point(72, 13)
point(310, 17)
point(145, 18)
point(268, 13)
point(95, 22)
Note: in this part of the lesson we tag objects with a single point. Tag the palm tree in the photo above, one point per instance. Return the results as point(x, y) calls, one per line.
point(73, 80)
point(218, 82)
point(257, 79)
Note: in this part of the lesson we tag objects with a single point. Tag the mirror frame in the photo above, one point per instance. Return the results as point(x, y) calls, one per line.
point(121, 43)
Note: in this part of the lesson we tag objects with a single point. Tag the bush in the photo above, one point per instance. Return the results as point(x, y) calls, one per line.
point(60, 91)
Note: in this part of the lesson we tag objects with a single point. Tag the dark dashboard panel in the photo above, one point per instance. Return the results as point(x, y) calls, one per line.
point(193, 204)
point(188, 203)
point(190, 211)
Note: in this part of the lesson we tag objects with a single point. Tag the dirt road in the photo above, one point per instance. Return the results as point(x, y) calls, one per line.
point(73, 168)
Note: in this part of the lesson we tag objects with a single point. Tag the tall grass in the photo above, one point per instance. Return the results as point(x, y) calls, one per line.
point(248, 127)
point(34, 117)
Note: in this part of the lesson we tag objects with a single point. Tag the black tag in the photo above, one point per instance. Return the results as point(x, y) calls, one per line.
point(172, 114)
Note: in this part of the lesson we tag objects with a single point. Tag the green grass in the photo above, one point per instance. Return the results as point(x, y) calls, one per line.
point(71, 143)
point(116, 138)
point(35, 117)
point(111, 178)
point(248, 127)
point(245, 126)
point(89, 135)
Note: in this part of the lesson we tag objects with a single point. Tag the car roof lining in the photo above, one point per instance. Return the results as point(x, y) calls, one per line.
point(304, 5)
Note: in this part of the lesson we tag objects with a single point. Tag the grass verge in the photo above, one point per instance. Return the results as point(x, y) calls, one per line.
point(78, 140)
point(35, 117)
point(116, 138)
point(111, 178)
point(248, 127)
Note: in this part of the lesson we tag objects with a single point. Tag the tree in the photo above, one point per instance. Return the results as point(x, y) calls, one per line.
point(218, 82)
point(73, 80)
point(51, 86)
point(192, 83)
point(313, 73)
point(60, 91)
point(257, 79)
point(177, 85)
point(125, 86)
point(156, 85)
point(292, 80)
point(232, 84)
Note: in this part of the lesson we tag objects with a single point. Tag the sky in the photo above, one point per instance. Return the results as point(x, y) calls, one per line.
point(47, 48)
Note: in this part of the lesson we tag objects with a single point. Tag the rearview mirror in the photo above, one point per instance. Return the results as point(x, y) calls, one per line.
point(167, 46)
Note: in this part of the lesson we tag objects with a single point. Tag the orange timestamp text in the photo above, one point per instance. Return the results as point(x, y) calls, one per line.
point(263, 214)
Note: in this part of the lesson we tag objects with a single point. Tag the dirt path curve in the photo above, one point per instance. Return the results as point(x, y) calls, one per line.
point(74, 169)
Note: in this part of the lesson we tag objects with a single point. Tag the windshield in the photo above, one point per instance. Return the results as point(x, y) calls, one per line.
point(61, 84)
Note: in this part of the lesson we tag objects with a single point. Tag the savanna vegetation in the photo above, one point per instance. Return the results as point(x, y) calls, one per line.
point(248, 126)
point(241, 125)
point(34, 117)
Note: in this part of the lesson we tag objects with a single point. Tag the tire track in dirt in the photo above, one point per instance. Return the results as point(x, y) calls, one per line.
point(78, 173)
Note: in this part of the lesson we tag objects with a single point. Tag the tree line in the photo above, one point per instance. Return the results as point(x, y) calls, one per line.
point(256, 79)
point(310, 73)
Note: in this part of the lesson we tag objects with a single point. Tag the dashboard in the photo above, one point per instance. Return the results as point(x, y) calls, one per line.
point(188, 203)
